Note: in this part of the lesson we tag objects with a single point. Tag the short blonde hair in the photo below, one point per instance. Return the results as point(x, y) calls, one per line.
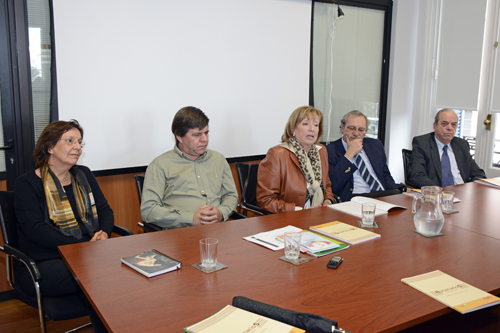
point(297, 116)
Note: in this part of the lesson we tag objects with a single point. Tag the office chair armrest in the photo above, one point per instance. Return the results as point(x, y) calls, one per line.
point(25, 259)
point(117, 229)
point(236, 216)
point(402, 187)
point(151, 227)
point(255, 209)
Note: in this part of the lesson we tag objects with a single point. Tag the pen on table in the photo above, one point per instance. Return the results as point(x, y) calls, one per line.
point(263, 241)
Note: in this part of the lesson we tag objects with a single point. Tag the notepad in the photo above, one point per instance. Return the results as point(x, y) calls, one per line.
point(344, 232)
point(452, 292)
point(233, 319)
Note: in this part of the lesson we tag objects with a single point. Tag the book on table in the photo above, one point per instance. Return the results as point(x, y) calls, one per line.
point(233, 319)
point(353, 207)
point(151, 263)
point(344, 232)
point(452, 292)
point(493, 182)
point(317, 245)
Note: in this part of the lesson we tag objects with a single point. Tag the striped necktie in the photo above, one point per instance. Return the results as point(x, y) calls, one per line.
point(366, 175)
point(447, 176)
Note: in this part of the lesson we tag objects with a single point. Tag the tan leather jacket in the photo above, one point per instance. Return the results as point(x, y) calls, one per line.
point(281, 183)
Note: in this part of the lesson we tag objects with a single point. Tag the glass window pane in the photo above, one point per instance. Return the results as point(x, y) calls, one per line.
point(350, 80)
point(40, 57)
point(496, 145)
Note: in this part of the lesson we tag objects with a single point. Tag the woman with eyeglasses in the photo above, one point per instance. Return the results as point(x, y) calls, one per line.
point(294, 174)
point(59, 203)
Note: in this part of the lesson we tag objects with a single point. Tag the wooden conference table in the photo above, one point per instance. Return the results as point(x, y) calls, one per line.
point(365, 294)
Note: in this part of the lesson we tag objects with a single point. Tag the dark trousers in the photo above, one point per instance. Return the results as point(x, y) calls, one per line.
point(56, 281)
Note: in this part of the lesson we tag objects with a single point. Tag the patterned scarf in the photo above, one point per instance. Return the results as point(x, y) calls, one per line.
point(311, 166)
point(60, 211)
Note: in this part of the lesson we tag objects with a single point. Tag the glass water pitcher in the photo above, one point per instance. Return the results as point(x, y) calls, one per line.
point(428, 217)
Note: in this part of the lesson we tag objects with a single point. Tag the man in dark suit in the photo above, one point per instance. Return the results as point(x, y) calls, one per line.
point(357, 164)
point(427, 165)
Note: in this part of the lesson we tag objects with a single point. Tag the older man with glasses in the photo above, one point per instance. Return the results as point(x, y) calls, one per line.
point(358, 165)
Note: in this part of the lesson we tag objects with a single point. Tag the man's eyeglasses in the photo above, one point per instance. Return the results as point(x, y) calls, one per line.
point(73, 141)
point(353, 129)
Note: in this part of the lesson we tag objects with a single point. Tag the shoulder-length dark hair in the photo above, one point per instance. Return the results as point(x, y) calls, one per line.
point(49, 137)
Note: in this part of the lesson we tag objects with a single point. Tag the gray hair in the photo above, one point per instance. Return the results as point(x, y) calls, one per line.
point(436, 118)
point(354, 113)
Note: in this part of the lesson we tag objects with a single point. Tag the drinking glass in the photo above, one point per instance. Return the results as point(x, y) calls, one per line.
point(208, 252)
point(368, 213)
point(292, 245)
point(447, 201)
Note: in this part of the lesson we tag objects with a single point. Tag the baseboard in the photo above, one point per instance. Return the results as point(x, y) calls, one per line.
point(6, 295)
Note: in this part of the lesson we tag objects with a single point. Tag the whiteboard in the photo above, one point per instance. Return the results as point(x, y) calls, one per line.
point(125, 67)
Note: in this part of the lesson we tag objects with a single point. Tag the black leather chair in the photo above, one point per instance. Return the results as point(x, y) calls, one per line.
point(406, 166)
point(247, 175)
point(150, 227)
point(55, 308)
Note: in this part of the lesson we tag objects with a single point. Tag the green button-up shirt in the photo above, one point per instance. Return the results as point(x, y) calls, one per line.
point(175, 187)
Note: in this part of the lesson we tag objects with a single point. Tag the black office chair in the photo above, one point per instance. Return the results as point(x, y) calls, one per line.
point(406, 166)
point(148, 227)
point(247, 174)
point(55, 308)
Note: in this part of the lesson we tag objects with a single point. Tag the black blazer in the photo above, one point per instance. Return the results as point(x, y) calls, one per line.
point(342, 170)
point(425, 163)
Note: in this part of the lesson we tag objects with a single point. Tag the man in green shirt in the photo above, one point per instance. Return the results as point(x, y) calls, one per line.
point(189, 185)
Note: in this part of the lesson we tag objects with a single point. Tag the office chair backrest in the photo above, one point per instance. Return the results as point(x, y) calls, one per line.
point(8, 218)
point(247, 174)
point(139, 182)
point(406, 165)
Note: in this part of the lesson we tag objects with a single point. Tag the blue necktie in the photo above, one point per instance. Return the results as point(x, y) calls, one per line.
point(447, 176)
point(366, 175)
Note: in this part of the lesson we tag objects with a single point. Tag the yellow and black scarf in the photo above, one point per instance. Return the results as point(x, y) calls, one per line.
point(60, 211)
point(311, 166)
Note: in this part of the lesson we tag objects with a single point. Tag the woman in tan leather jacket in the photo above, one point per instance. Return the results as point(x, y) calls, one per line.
point(294, 174)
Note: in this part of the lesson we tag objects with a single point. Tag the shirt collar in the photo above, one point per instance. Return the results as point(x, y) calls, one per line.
point(440, 145)
point(181, 154)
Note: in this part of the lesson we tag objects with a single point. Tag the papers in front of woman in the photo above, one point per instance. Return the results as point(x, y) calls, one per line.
point(344, 232)
point(269, 238)
point(317, 245)
point(452, 292)
point(353, 207)
point(493, 182)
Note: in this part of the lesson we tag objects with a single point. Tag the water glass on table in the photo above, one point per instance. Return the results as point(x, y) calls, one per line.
point(208, 252)
point(368, 213)
point(292, 245)
point(447, 198)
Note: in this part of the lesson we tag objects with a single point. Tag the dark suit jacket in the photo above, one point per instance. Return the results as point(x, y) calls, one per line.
point(425, 163)
point(342, 170)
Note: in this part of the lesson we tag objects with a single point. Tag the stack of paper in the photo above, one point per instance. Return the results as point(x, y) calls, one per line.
point(344, 232)
point(317, 245)
point(452, 292)
point(233, 319)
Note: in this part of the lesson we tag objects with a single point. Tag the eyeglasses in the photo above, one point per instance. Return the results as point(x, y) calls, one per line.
point(73, 141)
point(353, 129)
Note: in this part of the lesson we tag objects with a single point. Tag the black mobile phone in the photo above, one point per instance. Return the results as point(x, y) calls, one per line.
point(334, 262)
